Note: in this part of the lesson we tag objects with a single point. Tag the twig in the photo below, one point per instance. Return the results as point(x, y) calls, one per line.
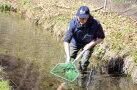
point(89, 78)
point(72, 88)
point(97, 9)
point(15, 85)
point(105, 4)
point(61, 86)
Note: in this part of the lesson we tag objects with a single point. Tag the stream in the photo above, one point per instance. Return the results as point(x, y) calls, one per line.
point(28, 54)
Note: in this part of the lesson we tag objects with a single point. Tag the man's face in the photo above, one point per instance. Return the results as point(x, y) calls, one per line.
point(82, 20)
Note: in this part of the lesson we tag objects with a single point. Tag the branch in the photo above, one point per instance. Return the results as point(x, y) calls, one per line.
point(97, 9)
point(105, 4)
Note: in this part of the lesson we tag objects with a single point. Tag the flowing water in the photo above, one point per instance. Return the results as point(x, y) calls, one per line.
point(28, 53)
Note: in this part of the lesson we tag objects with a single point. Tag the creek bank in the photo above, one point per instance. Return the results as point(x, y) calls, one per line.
point(52, 21)
point(22, 74)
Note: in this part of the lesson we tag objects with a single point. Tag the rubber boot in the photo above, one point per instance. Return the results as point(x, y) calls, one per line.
point(83, 69)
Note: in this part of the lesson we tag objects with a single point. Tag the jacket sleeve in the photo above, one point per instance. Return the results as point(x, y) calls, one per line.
point(99, 33)
point(69, 33)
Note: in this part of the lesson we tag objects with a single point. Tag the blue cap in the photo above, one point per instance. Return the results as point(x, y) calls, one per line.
point(83, 12)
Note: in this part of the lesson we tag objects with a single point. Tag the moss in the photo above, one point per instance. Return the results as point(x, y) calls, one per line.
point(4, 85)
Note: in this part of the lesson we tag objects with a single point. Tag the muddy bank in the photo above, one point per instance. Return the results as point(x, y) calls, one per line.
point(119, 63)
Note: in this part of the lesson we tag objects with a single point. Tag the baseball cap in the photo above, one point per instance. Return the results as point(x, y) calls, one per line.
point(83, 12)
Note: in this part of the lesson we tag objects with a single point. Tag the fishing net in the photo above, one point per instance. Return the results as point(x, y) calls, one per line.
point(67, 71)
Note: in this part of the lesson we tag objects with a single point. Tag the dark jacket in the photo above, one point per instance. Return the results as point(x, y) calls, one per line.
point(80, 35)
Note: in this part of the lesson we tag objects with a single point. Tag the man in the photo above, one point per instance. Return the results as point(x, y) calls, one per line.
point(84, 32)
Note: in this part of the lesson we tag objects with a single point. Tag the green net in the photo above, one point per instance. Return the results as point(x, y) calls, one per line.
point(67, 71)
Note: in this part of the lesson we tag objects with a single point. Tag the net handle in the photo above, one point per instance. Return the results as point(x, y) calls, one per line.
point(79, 56)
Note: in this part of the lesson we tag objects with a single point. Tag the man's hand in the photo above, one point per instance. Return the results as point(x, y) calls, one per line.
point(87, 47)
point(67, 50)
point(92, 43)
point(68, 60)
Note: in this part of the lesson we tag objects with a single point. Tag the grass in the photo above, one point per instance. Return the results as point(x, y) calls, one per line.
point(5, 7)
point(135, 57)
point(4, 85)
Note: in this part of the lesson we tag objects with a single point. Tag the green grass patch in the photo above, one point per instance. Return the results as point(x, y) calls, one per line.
point(5, 7)
point(119, 1)
point(4, 85)
point(135, 57)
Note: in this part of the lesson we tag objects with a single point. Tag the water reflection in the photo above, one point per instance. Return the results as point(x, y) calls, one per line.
point(39, 50)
